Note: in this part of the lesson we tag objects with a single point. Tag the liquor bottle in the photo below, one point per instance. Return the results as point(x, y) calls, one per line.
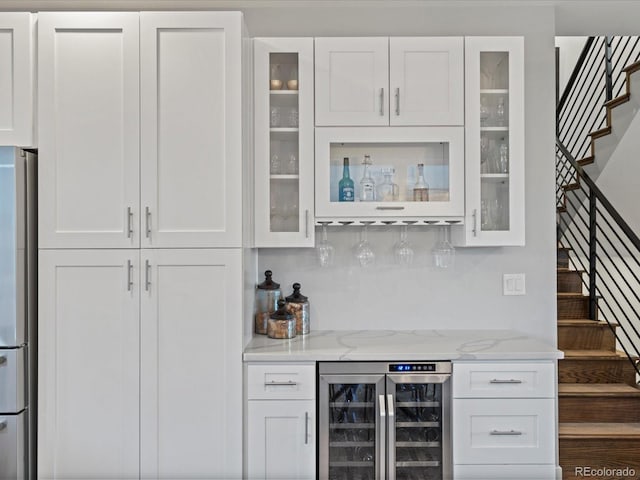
point(421, 189)
point(345, 186)
point(367, 185)
point(387, 190)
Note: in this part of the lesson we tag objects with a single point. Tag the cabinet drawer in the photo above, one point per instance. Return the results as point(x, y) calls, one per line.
point(501, 380)
point(504, 431)
point(282, 381)
point(506, 472)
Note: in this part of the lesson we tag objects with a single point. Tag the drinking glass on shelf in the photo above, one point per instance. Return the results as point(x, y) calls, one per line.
point(363, 251)
point(402, 249)
point(443, 252)
point(292, 164)
point(274, 119)
point(293, 117)
point(275, 164)
point(324, 249)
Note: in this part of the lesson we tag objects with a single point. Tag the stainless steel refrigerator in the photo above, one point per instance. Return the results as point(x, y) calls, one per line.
point(384, 421)
point(17, 313)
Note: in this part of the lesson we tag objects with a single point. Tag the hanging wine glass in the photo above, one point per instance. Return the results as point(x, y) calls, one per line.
point(402, 249)
point(324, 249)
point(443, 252)
point(363, 251)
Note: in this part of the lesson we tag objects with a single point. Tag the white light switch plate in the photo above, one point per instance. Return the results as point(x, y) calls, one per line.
point(513, 284)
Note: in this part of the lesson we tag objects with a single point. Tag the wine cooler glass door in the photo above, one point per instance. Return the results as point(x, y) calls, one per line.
point(352, 435)
point(418, 423)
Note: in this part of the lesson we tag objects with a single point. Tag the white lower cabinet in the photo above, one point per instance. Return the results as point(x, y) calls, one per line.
point(140, 370)
point(281, 418)
point(504, 420)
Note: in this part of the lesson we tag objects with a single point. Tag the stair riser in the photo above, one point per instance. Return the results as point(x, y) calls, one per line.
point(573, 308)
point(584, 337)
point(598, 453)
point(563, 259)
point(570, 282)
point(599, 409)
point(596, 371)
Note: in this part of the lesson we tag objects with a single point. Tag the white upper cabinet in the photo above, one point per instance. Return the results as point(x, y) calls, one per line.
point(389, 81)
point(88, 102)
point(16, 79)
point(494, 143)
point(89, 364)
point(283, 142)
point(191, 135)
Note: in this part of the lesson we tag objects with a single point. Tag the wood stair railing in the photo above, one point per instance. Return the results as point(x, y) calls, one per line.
point(599, 402)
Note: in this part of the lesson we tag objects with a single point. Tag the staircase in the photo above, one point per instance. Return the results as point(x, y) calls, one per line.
point(599, 402)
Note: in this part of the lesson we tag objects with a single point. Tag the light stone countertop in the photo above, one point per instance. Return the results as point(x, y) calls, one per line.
point(401, 345)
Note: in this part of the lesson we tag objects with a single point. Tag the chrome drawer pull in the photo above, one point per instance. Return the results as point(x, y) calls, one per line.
point(389, 208)
point(503, 432)
point(511, 380)
point(281, 384)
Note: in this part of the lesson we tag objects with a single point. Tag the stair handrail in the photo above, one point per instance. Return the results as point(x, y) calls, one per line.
point(574, 74)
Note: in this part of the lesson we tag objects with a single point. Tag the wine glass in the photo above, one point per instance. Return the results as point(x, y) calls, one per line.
point(324, 249)
point(402, 249)
point(443, 252)
point(363, 252)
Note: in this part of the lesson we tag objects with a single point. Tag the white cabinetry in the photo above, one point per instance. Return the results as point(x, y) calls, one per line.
point(16, 79)
point(88, 130)
point(123, 164)
point(389, 81)
point(494, 143)
point(280, 429)
point(89, 364)
point(134, 345)
point(504, 420)
point(283, 142)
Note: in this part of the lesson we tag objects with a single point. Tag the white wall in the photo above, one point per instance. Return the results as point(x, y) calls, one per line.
point(470, 296)
point(570, 48)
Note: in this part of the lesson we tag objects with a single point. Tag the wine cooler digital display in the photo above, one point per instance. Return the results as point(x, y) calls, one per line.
point(384, 420)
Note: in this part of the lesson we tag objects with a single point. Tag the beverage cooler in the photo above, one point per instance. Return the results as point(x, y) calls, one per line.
point(387, 421)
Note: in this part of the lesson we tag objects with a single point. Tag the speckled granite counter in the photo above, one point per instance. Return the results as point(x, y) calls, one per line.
point(401, 345)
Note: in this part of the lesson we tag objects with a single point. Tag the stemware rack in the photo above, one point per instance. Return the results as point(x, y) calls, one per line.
point(374, 221)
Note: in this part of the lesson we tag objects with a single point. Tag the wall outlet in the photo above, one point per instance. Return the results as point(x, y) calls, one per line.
point(513, 284)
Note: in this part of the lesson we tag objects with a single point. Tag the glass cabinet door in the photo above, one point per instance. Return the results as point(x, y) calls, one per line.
point(494, 140)
point(350, 430)
point(418, 429)
point(283, 142)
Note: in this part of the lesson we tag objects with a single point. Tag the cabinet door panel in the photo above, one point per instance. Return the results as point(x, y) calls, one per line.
point(88, 412)
point(191, 138)
point(281, 439)
point(16, 79)
point(88, 129)
point(352, 81)
point(426, 81)
point(191, 368)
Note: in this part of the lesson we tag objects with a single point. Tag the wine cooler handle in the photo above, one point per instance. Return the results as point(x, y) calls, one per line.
point(391, 425)
point(382, 102)
point(505, 432)
point(382, 437)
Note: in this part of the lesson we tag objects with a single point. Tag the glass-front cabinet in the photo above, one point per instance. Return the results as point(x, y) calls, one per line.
point(387, 173)
point(494, 142)
point(283, 83)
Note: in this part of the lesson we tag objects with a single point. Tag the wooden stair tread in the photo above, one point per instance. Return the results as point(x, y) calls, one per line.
point(586, 160)
point(569, 270)
point(614, 102)
point(574, 322)
point(594, 355)
point(599, 430)
point(597, 390)
point(600, 133)
point(572, 295)
point(632, 68)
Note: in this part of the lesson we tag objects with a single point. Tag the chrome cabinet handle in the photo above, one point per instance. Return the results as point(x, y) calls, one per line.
point(306, 428)
point(397, 101)
point(281, 384)
point(3, 359)
point(3, 425)
point(389, 208)
point(306, 223)
point(475, 222)
point(382, 102)
point(505, 432)
point(147, 276)
point(129, 275)
point(382, 436)
point(147, 221)
point(129, 222)
point(511, 380)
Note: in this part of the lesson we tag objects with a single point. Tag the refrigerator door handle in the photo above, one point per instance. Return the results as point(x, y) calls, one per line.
point(382, 438)
point(391, 435)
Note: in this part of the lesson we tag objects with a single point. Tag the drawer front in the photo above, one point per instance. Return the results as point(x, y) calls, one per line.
point(281, 381)
point(504, 431)
point(506, 472)
point(504, 380)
